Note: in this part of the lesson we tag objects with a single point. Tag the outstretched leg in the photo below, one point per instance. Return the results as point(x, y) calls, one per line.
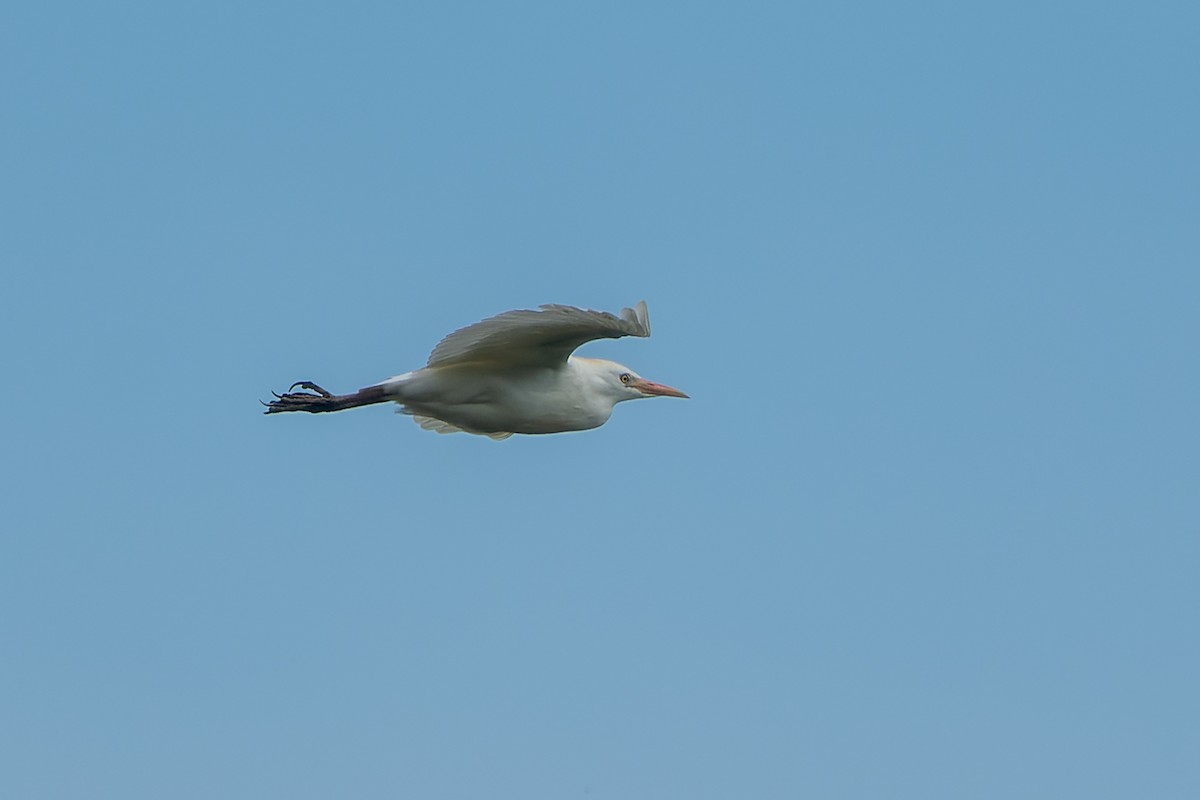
point(316, 399)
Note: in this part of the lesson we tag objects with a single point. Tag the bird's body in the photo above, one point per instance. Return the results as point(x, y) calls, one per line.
point(513, 373)
point(513, 399)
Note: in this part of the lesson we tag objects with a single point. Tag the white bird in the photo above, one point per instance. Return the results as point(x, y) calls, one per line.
point(512, 373)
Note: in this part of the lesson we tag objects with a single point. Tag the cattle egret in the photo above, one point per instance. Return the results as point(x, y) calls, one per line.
point(512, 373)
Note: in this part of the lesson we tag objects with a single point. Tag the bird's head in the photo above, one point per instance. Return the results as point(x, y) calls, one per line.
point(622, 383)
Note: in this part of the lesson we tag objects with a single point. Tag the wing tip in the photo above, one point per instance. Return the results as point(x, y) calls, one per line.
point(639, 315)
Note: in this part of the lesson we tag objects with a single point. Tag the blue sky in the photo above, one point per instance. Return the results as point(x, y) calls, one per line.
point(928, 527)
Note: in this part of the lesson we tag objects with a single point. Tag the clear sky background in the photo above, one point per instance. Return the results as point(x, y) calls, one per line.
point(929, 526)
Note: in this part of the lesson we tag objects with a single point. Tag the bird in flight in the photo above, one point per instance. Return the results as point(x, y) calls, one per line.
point(511, 373)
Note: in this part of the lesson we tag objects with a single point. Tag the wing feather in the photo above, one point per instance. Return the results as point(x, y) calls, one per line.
point(544, 337)
point(441, 426)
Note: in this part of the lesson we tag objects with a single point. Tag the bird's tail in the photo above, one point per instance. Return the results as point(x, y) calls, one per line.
point(317, 399)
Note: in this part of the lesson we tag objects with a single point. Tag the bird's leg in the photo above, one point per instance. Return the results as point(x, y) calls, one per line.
point(316, 399)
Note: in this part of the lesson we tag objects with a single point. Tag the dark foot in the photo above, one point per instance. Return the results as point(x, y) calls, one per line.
point(302, 401)
point(317, 399)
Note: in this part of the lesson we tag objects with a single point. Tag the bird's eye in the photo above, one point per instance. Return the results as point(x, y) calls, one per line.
point(624, 377)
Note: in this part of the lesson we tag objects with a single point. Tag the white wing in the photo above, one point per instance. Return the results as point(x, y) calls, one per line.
point(441, 426)
point(537, 338)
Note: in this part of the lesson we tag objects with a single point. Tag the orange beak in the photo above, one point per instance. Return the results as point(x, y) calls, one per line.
point(656, 389)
